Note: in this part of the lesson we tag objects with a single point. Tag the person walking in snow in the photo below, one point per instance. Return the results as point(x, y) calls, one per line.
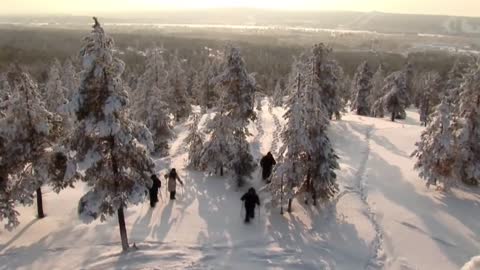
point(153, 191)
point(251, 200)
point(267, 162)
point(172, 183)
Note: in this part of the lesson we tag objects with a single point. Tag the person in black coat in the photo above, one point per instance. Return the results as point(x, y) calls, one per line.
point(154, 190)
point(251, 200)
point(267, 162)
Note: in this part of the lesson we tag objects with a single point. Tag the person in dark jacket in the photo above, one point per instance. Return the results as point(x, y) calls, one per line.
point(154, 190)
point(172, 183)
point(267, 162)
point(251, 200)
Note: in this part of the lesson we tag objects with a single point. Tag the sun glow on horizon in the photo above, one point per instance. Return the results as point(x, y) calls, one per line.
point(86, 7)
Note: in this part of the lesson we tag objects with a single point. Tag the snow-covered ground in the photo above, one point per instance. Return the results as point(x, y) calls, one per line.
point(383, 218)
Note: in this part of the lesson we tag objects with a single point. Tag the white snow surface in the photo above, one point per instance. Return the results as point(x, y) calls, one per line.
point(383, 218)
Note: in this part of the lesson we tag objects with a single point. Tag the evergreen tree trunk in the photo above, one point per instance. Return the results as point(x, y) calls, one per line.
point(40, 213)
point(123, 229)
point(221, 170)
point(289, 209)
point(393, 116)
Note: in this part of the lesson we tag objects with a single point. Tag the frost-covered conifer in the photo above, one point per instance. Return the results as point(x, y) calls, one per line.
point(377, 85)
point(218, 151)
point(468, 130)
point(278, 95)
point(194, 141)
point(203, 86)
point(291, 171)
point(242, 164)
point(238, 87)
point(361, 90)
point(435, 151)
point(150, 98)
point(28, 133)
point(179, 102)
point(5, 93)
point(396, 98)
point(344, 87)
point(114, 164)
point(308, 160)
point(326, 76)
point(409, 72)
point(70, 79)
point(54, 90)
point(429, 89)
point(228, 147)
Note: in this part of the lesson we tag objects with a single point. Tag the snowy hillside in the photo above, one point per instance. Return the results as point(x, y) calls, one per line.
point(383, 218)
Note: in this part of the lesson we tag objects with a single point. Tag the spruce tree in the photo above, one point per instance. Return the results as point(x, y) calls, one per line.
point(150, 101)
point(218, 151)
point(194, 141)
point(54, 90)
point(179, 102)
point(307, 160)
point(238, 86)
point(429, 97)
point(115, 166)
point(70, 79)
point(435, 152)
point(396, 98)
point(278, 95)
point(467, 125)
point(361, 90)
point(376, 92)
point(292, 166)
point(28, 160)
point(228, 147)
point(326, 76)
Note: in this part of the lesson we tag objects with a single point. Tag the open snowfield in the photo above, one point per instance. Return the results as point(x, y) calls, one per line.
point(383, 218)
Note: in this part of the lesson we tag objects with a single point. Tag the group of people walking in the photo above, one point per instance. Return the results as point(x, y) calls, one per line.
point(172, 178)
point(250, 199)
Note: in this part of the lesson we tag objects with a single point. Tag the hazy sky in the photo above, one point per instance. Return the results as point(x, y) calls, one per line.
point(86, 7)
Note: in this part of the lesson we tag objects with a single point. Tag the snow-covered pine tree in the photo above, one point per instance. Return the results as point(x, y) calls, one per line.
point(242, 164)
point(326, 77)
point(429, 91)
point(70, 79)
point(395, 99)
point(468, 130)
point(307, 158)
point(292, 166)
point(27, 161)
point(237, 87)
point(456, 77)
point(228, 147)
point(362, 86)
point(150, 105)
point(218, 152)
point(435, 152)
point(278, 95)
point(194, 141)
point(377, 85)
point(178, 99)
point(54, 89)
point(5, 93)
point(344, 87)
point(409, 72)
point(204, 85)
point(115, 166)
point(322, 160)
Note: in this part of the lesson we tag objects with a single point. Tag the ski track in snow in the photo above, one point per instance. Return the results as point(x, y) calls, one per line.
point(377, 257)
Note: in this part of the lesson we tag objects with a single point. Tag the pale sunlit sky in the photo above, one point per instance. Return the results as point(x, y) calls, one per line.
point(86, 7)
